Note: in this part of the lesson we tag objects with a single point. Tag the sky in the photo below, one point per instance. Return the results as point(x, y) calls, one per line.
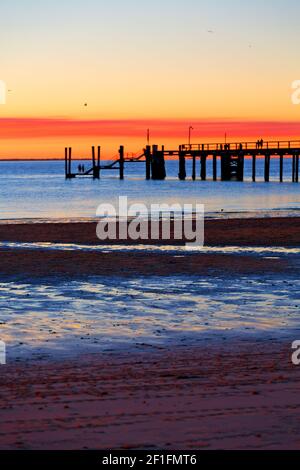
point(218, 65)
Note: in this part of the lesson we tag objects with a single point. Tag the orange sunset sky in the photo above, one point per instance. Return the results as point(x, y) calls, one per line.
point(220, 66)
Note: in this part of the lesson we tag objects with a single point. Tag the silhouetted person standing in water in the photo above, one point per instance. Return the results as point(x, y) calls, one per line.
point(79, 168)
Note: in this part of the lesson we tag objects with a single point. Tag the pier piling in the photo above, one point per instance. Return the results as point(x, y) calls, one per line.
point(70, 163)
point(215, 167)
point(267, 168)
point(99, 160)
point(66, 163)
point(182, 169)
point(294, 169)
point(254, 168)
point(96, 169)
point(194, 168)
point(158, 163)
point(203, 167)
point(240, 168)
point(225, 167)
point(281, 168)
point(148, 162)
point(121, 153)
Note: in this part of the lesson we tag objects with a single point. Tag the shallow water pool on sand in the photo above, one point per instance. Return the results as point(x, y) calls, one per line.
point(100, 314)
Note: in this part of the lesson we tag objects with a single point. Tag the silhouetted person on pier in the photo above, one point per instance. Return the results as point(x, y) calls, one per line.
point(261, 143)
point(241, 146)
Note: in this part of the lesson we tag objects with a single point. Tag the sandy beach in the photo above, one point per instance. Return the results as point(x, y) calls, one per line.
point(243, 395)
point(233, 389)
point(277, 231)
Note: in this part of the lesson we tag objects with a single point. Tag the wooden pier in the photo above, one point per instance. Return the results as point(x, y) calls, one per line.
point(231, 158)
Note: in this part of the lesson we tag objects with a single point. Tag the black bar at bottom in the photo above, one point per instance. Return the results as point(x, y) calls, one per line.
point(136, 459)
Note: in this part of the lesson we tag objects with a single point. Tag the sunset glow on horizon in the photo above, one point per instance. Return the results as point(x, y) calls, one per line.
point(93, 73)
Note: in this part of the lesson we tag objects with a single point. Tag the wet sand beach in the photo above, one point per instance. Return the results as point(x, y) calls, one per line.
point(277, 231)
point(240, 395)
point(189, 350)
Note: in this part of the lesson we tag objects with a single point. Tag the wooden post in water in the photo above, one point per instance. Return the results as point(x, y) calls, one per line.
point(148, 162)
point(215, 167)
point(96, 172)
point(254, 168)
point(281, 168)
point(158, 163)
point(182, 170)
point(240, 168)
point(267, 168)
point(203, 167)
point(225, 167)
point(93, 159)
point(99, 160)
point(194, 168)
point(66, 162)
point(294, 169)
point(121, 153)
point(297, 169)
point(94, 163)
point(154, 162)
point(70, 163)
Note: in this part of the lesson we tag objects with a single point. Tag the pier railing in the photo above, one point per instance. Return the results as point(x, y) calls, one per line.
point(258, 145)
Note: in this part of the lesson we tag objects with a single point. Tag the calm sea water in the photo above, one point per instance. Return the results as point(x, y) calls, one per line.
point(39, 190)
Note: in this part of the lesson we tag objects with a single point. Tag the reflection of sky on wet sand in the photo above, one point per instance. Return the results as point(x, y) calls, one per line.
point(101, 314)
point(180, 250)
